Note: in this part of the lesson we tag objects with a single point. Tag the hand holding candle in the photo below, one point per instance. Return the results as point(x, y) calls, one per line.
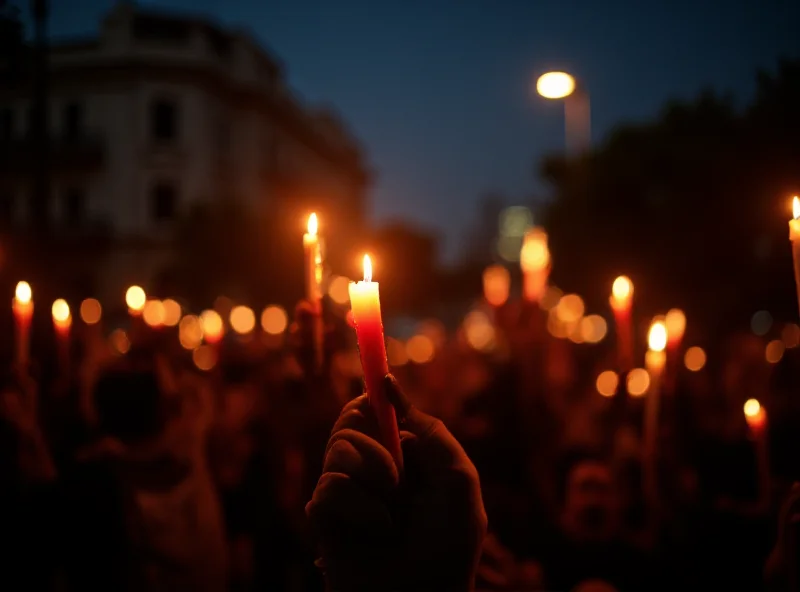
point(22, 306)
point(366, 308)
point(621, 301)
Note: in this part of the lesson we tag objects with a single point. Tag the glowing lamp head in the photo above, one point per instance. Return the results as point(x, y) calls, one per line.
point(135, 298)
point(622, 289)
point(60, 311)
point(23, 293)
point(752, 408)
point(367, 269)
point(555, 85)
point(312, 224)
point(657, 337)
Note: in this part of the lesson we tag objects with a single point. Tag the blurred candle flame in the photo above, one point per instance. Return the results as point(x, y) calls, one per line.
point(367, 269)
point(622, 289)
point(312, 224)
point(657, 337)
point(752, 408)
point(796, 207)
point(60, 310)
point(23, 293)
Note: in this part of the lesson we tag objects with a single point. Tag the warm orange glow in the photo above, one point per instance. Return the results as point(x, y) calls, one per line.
point(676, 324)
point(420, 349)
point(774, 351)
point(657, 337)
point(153, 313)
point(367, 269)
point(23, 293)
point(555, 85)
point(496, 284)
point(622, 289)
point(91, 311)
point(694, 359)
point(534, 254)
point(796, 207)
point(607, 383)
point(570, 308)
point(395, 353)
point(204, 357)
point(211, 323)
point(638, 382)
point(479, 331)
point(190, 332)
point(752, 408)
point(135, 298)
point(172, 313)
point(242, 319)
point(119, 341)
point(338, 290)
point(551, 298)
point(61, 311)
point(791, 335)
point(593, 328)
point(274, 320)
point(312, 224)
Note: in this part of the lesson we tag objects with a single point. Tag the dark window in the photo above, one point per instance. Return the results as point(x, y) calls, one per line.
point(6, 123)
point(164, 120)
point(73, 120)
point(7, 207)
point(74, 207)
point(164, 201)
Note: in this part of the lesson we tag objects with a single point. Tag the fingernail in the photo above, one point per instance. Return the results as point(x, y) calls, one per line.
point(396, 397)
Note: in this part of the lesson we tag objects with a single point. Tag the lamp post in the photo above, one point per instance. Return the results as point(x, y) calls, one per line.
point(577, 113)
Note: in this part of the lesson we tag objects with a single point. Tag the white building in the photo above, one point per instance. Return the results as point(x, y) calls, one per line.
point(160, 112)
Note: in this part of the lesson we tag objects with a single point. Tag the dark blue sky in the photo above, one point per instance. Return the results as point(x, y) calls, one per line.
point(439, 91)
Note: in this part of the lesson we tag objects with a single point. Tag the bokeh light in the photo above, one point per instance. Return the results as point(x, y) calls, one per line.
point(514, 222)
point(534, 254)
point(91, 311)
point(339, 290)
point(211, 325)
point(555, 85)
point(675, 321)
point(274, 320)
point(607, 383)
point(119, 341)
point(153, 313)
point(172, 312)
point(496, 285)
point(434, 330)
point(135, 298)
point(752, 407)
point(593, 328)
point(242, 319)
point(761, 322)
point(190, 332)
point(555, 326)
point(23, 292)
point(60, 311)
point(791, 335)
point(420, 349)
point(638, 382)
point(205, 357)
point(695, 358)
point(396, 352)
point(551, 298)
point(657, 336)
point(774, 351)
point(570, 308)
point(479, 331)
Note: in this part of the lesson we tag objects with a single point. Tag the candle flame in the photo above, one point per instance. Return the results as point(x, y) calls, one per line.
point(622, 288)
point(23, 292)
point(796, 207)
point(312, 224)
point(60, 310)
point(657, 337)
point(752, 408)
point(676, 323)
point(135, 298)
point(367, 269)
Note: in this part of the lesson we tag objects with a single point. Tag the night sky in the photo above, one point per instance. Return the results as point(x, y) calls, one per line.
point(439, 91)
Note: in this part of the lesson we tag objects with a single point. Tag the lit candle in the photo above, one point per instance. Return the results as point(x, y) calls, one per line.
point(655, 360)
point(62, 323)
point(313, 271)
point(794, 237)
point(534, 260)
point(366, 309)
point(136, 299)
point(756, 417)
point(496, 282)
point(22, 306)
point(675, 321)
point(621, 300)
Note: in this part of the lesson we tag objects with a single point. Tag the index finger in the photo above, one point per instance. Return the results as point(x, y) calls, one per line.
point(358, 415)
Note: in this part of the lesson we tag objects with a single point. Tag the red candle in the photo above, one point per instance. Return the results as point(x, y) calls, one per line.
point(62, 323)
point(22, 305)
point(366, 308)
point(621, 300)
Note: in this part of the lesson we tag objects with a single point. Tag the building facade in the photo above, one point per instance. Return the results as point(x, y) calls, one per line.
point(160, 113)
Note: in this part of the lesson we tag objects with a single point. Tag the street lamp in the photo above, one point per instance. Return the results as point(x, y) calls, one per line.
point(577, 121)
